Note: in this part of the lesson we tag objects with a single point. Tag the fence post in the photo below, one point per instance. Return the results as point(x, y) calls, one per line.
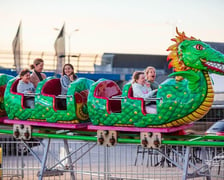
point(0, 163)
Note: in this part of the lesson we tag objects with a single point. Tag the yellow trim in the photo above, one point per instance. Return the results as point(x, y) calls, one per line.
point(200, 111)
point(197, 115)
point(203, 108)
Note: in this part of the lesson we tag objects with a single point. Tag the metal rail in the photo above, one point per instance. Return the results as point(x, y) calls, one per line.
point(186, 140)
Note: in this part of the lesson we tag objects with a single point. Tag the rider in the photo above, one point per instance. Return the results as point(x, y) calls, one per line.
point(150, 74)
point(67, 77)
point(37, 74)
point(26, 86)
point(142, 90)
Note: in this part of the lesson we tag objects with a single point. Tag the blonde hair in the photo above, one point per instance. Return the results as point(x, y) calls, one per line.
point(148, 69)
point(36, 62)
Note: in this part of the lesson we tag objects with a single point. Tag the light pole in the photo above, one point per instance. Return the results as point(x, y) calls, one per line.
point(69, 41)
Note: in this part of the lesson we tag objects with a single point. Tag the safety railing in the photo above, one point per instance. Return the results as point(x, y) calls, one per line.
point(82, 62)
point(123, 161)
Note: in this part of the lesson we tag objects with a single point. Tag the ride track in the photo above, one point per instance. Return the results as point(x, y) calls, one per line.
point(86, 133)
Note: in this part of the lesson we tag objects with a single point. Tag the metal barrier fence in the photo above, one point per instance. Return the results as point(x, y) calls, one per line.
point(82, 62)
point(123, 161)
point(216, 113)
point(90, 161)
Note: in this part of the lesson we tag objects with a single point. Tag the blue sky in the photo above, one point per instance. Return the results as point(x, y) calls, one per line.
point(124, 26)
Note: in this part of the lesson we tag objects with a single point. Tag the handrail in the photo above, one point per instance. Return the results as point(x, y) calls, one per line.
point(62, 96)
point(31, 94)
point(119, 97)
point(153, 99)
point(125, 97)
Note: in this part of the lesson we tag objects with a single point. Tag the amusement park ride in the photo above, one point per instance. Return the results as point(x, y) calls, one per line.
point(110, 115)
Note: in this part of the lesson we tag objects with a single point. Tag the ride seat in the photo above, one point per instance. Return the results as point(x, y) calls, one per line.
point(84, 94)
point(13, 90)
point(2, 90)
point(52, 88)
point(14, 87)
point(106, 90)
point(81, 97)
point(131, 96)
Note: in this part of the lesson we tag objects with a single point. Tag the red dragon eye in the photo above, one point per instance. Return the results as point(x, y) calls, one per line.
point(198, 47)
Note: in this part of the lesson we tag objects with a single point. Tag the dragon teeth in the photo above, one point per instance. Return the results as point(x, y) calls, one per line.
point(216, 65)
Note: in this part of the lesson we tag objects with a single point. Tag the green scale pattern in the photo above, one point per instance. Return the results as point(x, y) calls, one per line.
point(4, 78)
point(44, 104)
point(179, 98)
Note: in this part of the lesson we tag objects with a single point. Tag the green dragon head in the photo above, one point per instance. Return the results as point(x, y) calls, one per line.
point(190, 53)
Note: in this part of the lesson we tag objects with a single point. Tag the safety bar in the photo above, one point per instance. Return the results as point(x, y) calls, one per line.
point(153, 99)
point(118, 97)
point(31, 94)
point(61, 96)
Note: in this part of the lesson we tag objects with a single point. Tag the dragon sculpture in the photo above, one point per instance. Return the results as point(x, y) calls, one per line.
point(186, 97)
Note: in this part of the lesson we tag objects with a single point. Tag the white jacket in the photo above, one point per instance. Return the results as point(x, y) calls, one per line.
point(142, 91)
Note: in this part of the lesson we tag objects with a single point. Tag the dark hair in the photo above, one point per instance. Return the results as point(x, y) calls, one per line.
point(23, 72)
point(71, 66)
point(36, 62)
point(136, 75)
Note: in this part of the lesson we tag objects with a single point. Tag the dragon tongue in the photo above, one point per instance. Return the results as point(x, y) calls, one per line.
point(203, 60)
